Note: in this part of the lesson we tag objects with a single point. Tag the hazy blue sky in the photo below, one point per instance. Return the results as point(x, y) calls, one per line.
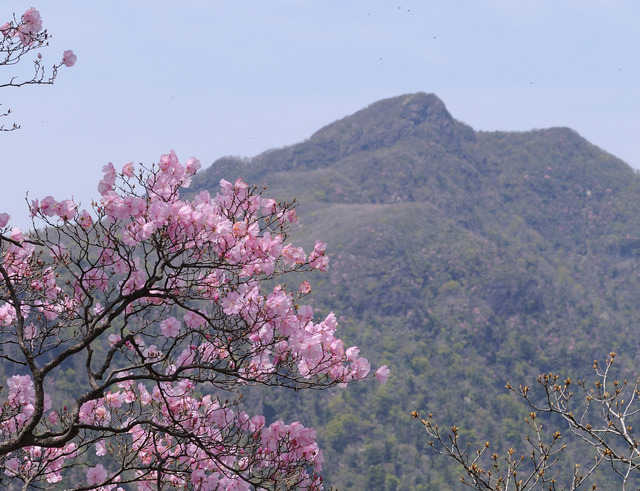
point(210, 78)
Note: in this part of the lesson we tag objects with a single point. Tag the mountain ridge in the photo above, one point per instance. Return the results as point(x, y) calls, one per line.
point(381, 126)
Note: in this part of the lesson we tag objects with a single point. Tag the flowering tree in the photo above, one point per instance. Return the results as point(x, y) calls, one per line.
point(19, 37)
point(164, 300)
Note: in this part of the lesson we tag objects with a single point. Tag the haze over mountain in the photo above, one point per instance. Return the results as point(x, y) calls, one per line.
point(461, 259)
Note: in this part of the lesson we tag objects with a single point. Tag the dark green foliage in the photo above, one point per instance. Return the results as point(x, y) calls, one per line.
point(462, 260)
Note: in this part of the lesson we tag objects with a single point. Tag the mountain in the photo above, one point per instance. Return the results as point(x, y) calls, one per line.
point(461, 259)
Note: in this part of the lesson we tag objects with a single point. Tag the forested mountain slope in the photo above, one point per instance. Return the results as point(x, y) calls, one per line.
point(461, 259)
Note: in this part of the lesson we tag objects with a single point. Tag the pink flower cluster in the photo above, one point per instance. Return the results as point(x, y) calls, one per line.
point(69, 58)
point(29, 26)
point(65, 209)
point(16, 412)
point(39, 462)
point(274, 450)
point(28, 31)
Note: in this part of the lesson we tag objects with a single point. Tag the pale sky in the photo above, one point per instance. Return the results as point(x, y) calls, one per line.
point(210, 78)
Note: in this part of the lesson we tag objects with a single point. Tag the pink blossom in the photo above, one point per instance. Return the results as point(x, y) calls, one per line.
point(145, 397)
point(187, 356)
point(69, 58)
point(102, 415)
point(353, 353)
point(32, 18)
point(30, 26)
point(382, 374)
point(109, 179)
point(65, 209)
point(101, 448)
point(330, 322)
point(94, 412)
point(84, 219)
point(147, 230)
point(30, 331)
point(168, 160)
point(293, 255)
point(305, 313)
point(17, 235)
point(269, 205)
point(193, 320)
point(48, 206)
point(317, 259)
point(96, 475)
point(360, 368)
point(240, 228)
point(4, 219)
point(232, 303)
point(12, 467)
point(288, 216)
point(256, 423)
point(192, 166)
point(5, 29)
point(114, 399)
point(305, 288)
point(21, 390)
point(159, 212)
point(128, 169)
point(114, 339)
point(170, 327)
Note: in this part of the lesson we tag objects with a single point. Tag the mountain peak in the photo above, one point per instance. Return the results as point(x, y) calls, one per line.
point(384, 123)
point(419, 106)
point(422, 107)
